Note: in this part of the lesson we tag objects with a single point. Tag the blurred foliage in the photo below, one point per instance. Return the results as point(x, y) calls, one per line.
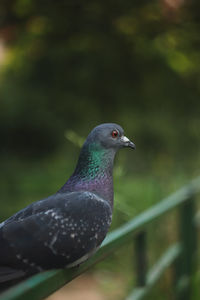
point(73, 65)
point(66, 66)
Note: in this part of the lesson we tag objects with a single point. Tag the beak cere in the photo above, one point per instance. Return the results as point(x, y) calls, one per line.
point(127, 143)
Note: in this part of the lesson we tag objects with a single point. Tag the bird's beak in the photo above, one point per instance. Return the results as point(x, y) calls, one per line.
point(127, 143)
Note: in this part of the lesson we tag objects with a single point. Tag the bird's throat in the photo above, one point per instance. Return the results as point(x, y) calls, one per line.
point(94, 163)
point(93, 173)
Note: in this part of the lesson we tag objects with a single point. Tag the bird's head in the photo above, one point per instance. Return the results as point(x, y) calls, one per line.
point(109, 136)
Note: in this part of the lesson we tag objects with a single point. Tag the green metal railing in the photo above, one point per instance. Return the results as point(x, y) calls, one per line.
point(181, 255)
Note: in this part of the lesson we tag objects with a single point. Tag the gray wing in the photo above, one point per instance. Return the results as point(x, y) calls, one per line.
point(54, 232)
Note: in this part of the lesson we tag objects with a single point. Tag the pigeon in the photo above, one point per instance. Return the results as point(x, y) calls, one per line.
point(65, 229)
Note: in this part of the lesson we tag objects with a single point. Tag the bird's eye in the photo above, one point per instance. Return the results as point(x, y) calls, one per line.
point(114, 134)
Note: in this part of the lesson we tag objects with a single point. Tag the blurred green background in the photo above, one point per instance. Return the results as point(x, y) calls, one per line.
point(67, 66)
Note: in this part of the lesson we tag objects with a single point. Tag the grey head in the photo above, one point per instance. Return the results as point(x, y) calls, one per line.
point(93, 171)
point(108, 136)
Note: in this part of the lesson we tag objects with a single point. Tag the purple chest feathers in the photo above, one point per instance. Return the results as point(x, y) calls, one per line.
point(102, 185)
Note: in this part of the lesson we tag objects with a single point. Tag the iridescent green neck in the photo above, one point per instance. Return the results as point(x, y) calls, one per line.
point(93, 161)
point(93, 172)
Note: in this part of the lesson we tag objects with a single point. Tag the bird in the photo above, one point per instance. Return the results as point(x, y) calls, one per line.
point(66, 228)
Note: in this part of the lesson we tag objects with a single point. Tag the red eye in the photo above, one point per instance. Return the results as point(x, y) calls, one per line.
point(114, 134)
